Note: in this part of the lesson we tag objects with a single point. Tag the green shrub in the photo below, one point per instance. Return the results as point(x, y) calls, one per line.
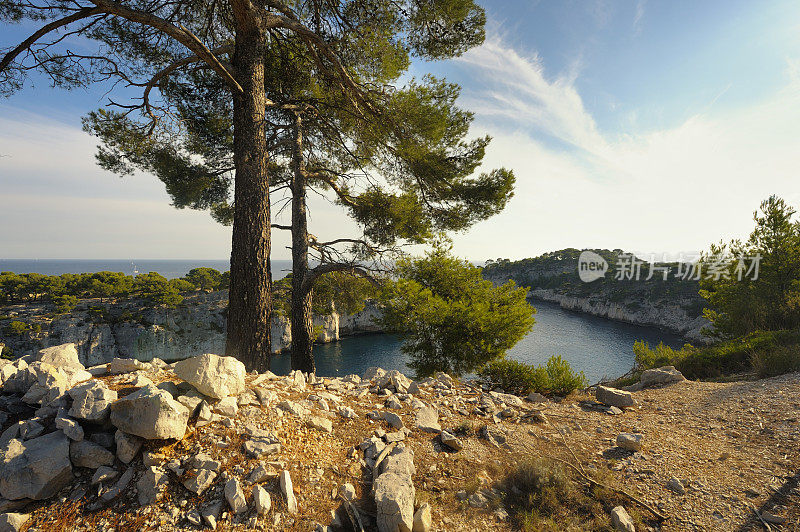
point(760, 351)
point(554, 378)
point(7, 353)
point(776, 361)
point(543, 495)
point(17, 328)
point(65, 303)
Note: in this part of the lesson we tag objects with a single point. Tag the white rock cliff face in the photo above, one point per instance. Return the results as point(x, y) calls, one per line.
point(135, 330)
point(666, 316)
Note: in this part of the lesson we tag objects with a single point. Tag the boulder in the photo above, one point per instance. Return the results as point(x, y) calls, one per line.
point(320, 423)
point(261, 500)
point(127, 446)
point(427, 420)
point(126, 365)
point(394, 494)
point(150, 413)
point(213, 375)
point(423, 521)
point(373, 373)
point(64, 355)
point(200, 481)
point(88, 454)
point(12, 522)
point(149, 486)
point(394, 420)
point(103, 474)
point(621, 520)
point(657, 377)
point(35, 469)
point(91, 401)
point(70, 428)
point(235, 496)
point(288, 491)
point(451, 441)
point(630, 442)
point(614, 397)
point(227, 407)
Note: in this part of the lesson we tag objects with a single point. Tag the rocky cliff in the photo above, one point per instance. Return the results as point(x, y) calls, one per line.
point(134, 329)
point(671, 304)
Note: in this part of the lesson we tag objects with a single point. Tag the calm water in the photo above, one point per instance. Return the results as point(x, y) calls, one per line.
point(168, 268)
point(596, 346)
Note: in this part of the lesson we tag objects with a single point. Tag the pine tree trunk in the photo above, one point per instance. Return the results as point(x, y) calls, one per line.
point(301, 319)
point(250, 306)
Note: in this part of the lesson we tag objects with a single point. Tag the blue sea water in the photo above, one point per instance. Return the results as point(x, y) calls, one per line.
point(169, 268)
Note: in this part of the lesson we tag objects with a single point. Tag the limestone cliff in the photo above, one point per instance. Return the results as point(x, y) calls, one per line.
point(135, 329)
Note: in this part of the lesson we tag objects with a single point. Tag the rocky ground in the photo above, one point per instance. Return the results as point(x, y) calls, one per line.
point(199, 444)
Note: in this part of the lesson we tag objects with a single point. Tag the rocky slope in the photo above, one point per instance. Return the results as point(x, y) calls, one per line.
point(199, 444)
point(103, 331)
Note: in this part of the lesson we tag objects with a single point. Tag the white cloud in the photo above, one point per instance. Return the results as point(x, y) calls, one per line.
point(672, 190)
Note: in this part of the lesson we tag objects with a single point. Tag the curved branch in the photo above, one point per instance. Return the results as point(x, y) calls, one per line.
point(180, 34)
point(44, 30)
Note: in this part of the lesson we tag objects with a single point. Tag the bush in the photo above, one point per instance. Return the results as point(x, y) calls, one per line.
point(17, 328)
point(65, 304)
point(776, 361)
point(543, 495)
point(764, 352)
point(554, 378)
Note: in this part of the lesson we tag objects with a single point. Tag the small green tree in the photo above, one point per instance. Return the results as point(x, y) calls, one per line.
point(157, 288)
point(65, 303)
point(741, 304)
point(454, 319)
point(204, 278)
point(17, 328)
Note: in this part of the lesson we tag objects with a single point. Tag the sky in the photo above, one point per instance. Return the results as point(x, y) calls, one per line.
point(651, 126)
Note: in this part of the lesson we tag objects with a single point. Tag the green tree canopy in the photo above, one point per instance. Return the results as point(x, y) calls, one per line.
point(454, 319)
point(742, 303)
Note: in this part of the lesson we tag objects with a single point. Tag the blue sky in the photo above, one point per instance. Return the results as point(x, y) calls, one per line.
point(651, 126)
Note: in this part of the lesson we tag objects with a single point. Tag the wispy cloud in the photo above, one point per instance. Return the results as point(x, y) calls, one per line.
point(669, 190)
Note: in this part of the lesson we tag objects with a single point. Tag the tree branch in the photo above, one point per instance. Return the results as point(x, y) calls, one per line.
point(44, 30)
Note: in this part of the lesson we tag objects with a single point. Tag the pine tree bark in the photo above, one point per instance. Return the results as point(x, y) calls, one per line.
point(250, 303)
point(301, 314)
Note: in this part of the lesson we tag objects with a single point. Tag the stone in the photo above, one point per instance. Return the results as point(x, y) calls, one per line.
point(676, 485)
point(260, 474)
point(201, 481)
point(30, 429)
point(261, 500)
point(507, 399)
point(91, 401)
point(347, 412)
point(622, 520)
point(12, 522)
point(394, 420)
point(427, 420)
point(294, 408)
point(614, 397)
point(211, 514)
point(478, 500)
point(257, 448)
point(227, 407)
point(372, 374)
point(423, 521)
point(320, 423)
point(288, 492)
point(70, 427)
point(104, 473)
point(348, 491)
point(88, 454)
point(64, 355)
point(657, 377)
point(235, 496)
point(36, 469)
point(204, 461)
point(151, 458)
point(451, 440)
point(149, 486)
point(119, 485)
point(630, 442)
point(394, 500)
point(128, 446)
point(213, 375)
point(394, 403)
point(125, 365)
point(150, 413)
point(536, 397)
